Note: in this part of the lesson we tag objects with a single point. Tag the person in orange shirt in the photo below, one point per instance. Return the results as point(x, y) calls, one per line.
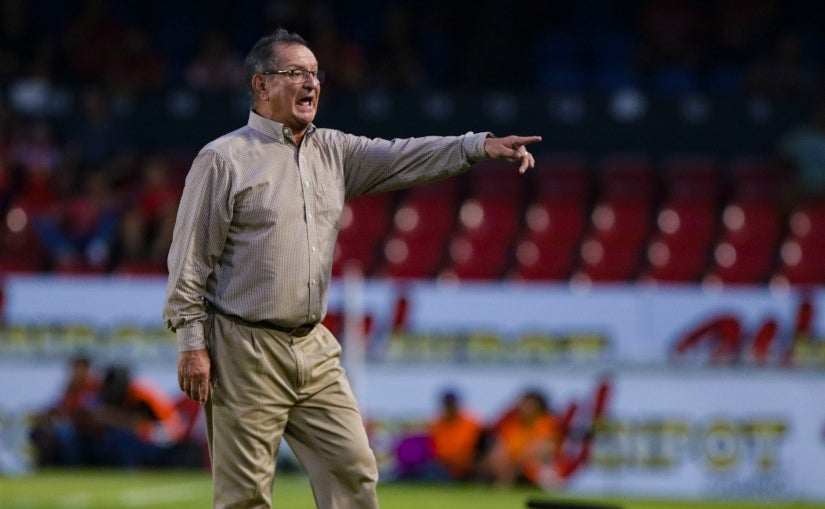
point(138, 420)
point(63, 434)
point(522, 441)
point(455, 434)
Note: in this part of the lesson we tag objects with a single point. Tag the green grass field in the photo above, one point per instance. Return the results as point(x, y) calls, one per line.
point(106, 489)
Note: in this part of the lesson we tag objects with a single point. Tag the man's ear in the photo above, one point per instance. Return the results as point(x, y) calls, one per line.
point(258, 84)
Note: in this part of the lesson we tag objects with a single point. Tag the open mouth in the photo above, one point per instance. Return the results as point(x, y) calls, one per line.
point(306, 102)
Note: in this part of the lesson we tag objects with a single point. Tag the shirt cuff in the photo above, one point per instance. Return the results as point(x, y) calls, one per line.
point(191, 338)
point(474, 146)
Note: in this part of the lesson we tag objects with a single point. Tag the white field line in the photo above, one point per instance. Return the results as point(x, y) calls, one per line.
point(165, 494)
point(75, 501)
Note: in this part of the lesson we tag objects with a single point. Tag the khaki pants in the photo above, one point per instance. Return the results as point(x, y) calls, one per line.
point(266, 385)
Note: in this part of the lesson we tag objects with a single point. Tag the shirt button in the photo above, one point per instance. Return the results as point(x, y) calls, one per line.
point(306, 183)
point(309, 216)
point(312, 317)
point(313, 249)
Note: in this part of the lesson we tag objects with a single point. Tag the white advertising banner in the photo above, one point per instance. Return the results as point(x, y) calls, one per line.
point(698, 393)
point(488, 322)
point(689, 432)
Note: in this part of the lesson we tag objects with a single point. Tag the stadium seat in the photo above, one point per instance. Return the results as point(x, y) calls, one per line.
point(751, 222)
point(555, 221)
point(734, 264)
point(672, 261)
point(687, 221)
point(608, 261)
point(625, 221)
point(626, 176)
point(745, 251)
point(421, 226)
point(801, 264)
point(802, 252)
point(364, 222)
point(488, 221)
point(554, 227)
point(534, 261)
point(756, 177)
point(496, 178)
point(561, 176)
point(691, 177)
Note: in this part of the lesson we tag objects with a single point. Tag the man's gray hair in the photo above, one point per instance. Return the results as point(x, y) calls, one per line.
point(262, 55)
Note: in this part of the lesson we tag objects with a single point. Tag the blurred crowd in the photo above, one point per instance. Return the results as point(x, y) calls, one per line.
point(112, 418)
point(522, 445)
point(78, 194)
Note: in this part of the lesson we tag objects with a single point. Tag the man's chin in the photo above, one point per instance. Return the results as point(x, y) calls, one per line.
point(304, 117)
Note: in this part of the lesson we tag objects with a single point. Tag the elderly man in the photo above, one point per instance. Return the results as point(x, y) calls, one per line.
point(249, 273)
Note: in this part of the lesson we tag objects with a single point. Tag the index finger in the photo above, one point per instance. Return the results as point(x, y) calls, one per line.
point(527, 140)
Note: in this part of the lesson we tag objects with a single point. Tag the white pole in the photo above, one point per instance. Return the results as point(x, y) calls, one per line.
point(354, 348)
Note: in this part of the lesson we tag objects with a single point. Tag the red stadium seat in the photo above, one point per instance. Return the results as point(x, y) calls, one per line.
point(745, 253)
point(627, 176)
point(561, 176)
point(673, 261)
point(802, 252)
point(687, 221)
point(556, 221)
point(364, 222)
point(421, 226)
point(756, 177)
point(608, 261)
point(542, 262)
point(622, 220)
point(405, 258)
point(751, 223)
point(496, 178)
point(691, 177)
point(740, 264)
point(801, 264)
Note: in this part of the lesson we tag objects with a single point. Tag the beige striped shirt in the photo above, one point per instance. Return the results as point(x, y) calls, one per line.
point(259, 216)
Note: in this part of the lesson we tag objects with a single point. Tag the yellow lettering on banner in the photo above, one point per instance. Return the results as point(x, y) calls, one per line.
point(721, 445)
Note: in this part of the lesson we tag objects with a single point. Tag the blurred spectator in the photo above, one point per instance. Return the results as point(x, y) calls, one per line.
point(63, 434)
point(36, 150)
point(137, 421)
point(93, 41)
point(34, 91)
point(740, 28)
point(146, 228)
point(217, 67)
point(138, 67)
point(96, 139)
point(344, 60)
point(522, 441)
point(673, 36)
point(16, 39)
point(79, 230)
point(399, 61)
point(781, 72)
point(803, 149)
point(455, 435)
point(35, 161)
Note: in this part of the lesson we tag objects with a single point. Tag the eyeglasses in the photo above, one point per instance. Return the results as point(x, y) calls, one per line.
point(298, 75)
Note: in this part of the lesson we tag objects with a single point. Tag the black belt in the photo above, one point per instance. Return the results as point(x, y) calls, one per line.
point(298, 332)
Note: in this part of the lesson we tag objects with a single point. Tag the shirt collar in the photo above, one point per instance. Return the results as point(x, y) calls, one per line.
point(272, 128)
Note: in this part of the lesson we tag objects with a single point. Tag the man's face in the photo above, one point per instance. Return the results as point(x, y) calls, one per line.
point(292, 102)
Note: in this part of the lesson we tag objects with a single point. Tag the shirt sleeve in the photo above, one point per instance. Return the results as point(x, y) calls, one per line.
point(201, 227)
point(374, 165)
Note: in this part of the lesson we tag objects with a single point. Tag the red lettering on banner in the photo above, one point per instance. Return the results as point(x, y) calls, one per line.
point(727, 342)
point(577, 430)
